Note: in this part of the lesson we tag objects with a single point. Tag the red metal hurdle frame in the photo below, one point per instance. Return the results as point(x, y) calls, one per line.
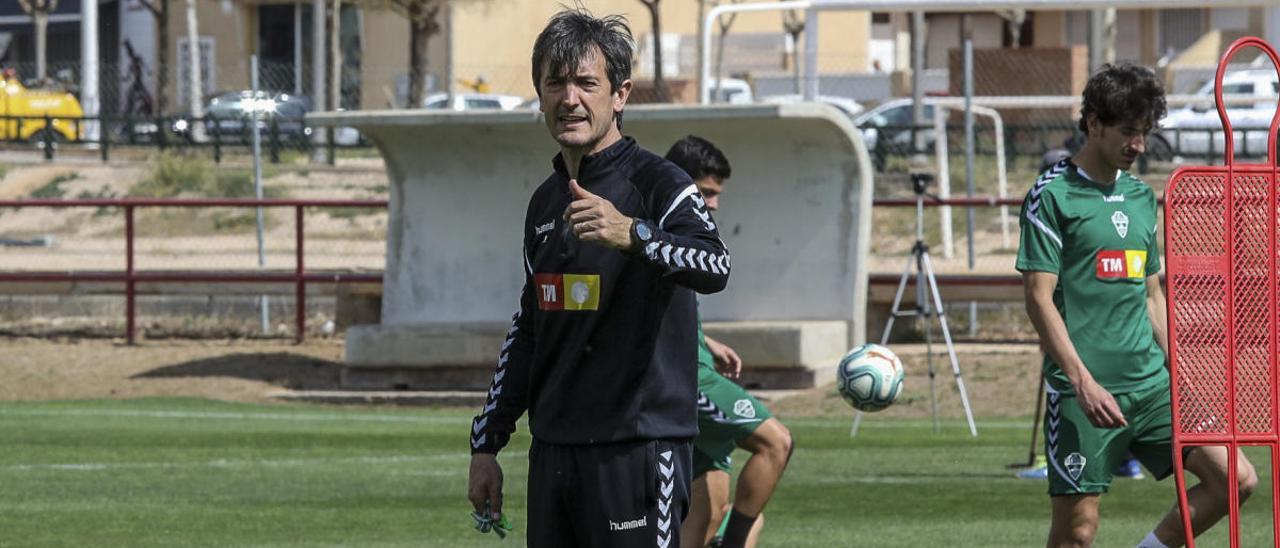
point(130, 277)
point(1220, 249)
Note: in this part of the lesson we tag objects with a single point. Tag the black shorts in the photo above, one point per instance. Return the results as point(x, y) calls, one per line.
point(621, 494)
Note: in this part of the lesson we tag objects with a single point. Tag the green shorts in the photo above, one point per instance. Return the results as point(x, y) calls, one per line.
point(727, 414)
point(1081, 456)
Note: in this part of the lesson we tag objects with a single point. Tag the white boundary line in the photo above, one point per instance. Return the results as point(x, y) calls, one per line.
point(223, 463)
point(216, 415)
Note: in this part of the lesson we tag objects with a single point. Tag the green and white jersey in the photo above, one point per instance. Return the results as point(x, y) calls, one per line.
point(706, 361)
point(1101, 242)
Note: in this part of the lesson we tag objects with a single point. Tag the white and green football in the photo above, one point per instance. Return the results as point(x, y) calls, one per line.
point(870, 377)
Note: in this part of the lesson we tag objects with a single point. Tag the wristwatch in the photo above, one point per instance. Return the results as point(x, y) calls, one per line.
point(641, 234)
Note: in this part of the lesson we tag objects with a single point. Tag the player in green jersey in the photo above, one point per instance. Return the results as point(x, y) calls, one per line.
point(1090, 264)
point(728, 416)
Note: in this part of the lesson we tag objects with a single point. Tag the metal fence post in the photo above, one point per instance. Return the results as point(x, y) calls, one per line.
point(104, 139)
point(217, 142)
point(130, 295)
point(301, 304)
point(46, 136)
point(333, 150)
point(274, 141)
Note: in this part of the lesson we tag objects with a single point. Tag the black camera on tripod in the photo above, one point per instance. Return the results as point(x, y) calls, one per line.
point(920, 181)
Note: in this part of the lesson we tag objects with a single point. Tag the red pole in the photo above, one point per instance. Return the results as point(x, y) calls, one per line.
point(129, 294)
point(302, 283)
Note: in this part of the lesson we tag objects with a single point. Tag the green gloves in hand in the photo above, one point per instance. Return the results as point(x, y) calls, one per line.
point(486, 523)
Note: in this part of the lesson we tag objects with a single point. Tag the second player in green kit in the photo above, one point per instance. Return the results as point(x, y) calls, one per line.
point(1090, 261)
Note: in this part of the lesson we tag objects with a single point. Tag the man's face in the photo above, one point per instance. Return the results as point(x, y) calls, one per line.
point(710, 187)
point(579, 106)
point(1120, 144)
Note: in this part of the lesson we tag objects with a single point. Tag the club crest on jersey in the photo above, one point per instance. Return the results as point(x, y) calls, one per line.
point(743, 408)
point(1075, 465)
point(1121, 263)
point(1121, 222)
point(567, 291)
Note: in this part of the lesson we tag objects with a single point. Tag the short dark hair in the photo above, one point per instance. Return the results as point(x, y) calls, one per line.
point(567, 41)
point(1123, 93)
point(699, 158)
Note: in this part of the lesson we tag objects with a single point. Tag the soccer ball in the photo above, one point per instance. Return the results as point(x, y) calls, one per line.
point(870, 377)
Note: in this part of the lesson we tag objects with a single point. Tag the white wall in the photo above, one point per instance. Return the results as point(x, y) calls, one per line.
point(795, 214)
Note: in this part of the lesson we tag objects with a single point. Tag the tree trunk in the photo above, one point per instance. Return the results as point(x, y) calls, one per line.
point(423, 24)
point(416, 65)
point(795, 62)
point(725, 23)
point(162, 59)
point(41, 18)
point(195, 97)
point(702, 35)
point(335, 48)
point(659, 84)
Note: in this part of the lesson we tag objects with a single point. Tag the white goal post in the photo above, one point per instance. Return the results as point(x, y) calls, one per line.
point(812, 7)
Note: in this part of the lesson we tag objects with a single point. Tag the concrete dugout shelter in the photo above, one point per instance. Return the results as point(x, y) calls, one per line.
point(796, 218)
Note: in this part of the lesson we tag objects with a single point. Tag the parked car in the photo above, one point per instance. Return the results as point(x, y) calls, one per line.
point(229, 117)
point(1186, 131)
point(733, 91)
point(886, 129)
point(472, 101)
point(846, 105)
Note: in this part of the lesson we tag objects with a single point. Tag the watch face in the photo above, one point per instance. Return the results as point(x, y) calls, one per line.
point(643, 232)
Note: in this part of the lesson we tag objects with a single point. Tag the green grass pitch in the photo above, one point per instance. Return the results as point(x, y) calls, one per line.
point(181, 472)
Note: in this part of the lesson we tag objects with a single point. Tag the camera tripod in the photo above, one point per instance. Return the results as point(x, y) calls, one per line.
point(925, 309)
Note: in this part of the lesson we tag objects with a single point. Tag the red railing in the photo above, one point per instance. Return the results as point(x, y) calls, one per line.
point(130, 277)
point(300, 277)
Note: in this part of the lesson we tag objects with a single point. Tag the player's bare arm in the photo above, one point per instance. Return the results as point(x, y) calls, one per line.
point(1156, 311)
point(727, 361)
point(1098, 404)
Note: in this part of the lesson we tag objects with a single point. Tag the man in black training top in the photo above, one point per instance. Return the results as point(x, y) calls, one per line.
point(602, 350)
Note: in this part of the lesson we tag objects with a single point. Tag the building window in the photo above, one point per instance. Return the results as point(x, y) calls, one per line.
point(208, 77)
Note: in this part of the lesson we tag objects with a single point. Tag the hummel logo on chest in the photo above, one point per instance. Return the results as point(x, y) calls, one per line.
point(1116, 198)
point(544, 228)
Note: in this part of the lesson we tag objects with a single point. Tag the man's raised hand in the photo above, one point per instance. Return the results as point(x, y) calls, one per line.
point(594, 219)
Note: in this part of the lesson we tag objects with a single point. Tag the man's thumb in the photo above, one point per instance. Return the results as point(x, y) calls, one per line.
point(577, 190)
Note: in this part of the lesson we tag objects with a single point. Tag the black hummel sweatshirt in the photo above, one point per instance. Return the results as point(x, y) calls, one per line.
point(603, 347)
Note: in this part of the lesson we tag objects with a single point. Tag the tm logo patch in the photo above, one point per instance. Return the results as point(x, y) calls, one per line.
point(567, 291)
point(1122, 263)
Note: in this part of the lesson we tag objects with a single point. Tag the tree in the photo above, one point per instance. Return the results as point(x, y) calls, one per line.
point(39, 11)
point(659, 84)
point(724, 24)
point(1013, 21)
point(424, 23)
point(160, 9)
point(195, 95)
point(793, 23)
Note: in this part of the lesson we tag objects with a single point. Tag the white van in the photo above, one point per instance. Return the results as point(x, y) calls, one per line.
point(733, 91)
point(1186, 130)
